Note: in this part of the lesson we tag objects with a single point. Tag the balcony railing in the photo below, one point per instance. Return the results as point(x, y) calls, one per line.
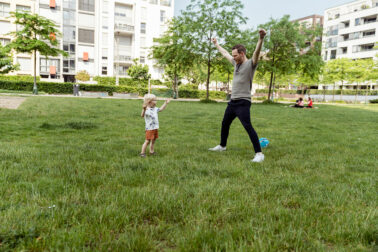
point(123, 27)
point(165, 2)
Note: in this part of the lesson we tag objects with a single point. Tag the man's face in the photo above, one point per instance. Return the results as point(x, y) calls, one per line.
point(238, 57)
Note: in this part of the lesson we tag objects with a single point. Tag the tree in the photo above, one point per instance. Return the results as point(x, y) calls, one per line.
point(138, 71)
point(359, 73)
point(338, 70)
point(310, 62)
point(82, 76)
point(6, 61)
point(37, 34)
point(283, 44)
point(206, 19)
point(172, 52)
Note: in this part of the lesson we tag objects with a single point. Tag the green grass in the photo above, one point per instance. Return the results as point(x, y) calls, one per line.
point(71, 179)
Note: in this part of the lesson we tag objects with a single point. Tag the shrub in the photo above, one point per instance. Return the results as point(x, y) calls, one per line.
point(18, 77)
point(82, 76)
point(374, 101)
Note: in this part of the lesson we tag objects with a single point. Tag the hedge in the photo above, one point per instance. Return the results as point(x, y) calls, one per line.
point(319, 91)
point(67, 88)
point(128, 82)
point(18, 77)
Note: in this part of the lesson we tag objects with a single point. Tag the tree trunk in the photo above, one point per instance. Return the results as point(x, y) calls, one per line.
point(176, 88)
point(35, 88)
point(270, 84)
point(274, 86)
point(228, 82)
point(208, 77)
point(366, 93)
point(341, 90)
point(324, 91)
point(302, 89)
point(333, 92)
point(355, 97)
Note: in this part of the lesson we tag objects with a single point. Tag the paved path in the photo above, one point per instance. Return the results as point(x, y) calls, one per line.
point(11, 102)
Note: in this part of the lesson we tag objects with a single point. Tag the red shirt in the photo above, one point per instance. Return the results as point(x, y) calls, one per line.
point(310, 103)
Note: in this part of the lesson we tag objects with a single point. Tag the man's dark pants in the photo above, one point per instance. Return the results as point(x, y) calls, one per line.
point(241, 109)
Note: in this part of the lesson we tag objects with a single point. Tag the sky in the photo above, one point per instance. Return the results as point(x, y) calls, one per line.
point(260, 11)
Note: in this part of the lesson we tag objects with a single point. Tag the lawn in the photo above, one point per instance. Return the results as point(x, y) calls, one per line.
point(71, 179)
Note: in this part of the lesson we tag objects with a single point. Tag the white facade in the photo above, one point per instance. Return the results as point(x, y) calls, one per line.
point(351, 31)
point(99, 35)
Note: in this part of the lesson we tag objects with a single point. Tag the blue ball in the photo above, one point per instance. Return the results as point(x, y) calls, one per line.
point(263, 142)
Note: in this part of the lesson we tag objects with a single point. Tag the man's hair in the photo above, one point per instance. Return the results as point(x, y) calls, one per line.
point(240, 48)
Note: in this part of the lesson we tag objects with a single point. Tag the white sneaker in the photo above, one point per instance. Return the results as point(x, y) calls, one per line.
point(259, 157)
point(218, 148)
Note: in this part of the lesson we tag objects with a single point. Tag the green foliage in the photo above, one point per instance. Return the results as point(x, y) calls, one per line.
point(206, 19)
point(18, 78)
point(36, 34)
point(319, 91)
point(82, 76)
point(374, 101)
point(6, 61)
point(67, 88)
point(138, 71)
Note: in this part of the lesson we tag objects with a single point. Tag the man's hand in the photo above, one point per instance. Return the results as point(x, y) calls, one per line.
point(214, 40)
point(262, 33)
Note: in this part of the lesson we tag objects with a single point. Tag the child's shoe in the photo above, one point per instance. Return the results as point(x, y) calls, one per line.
point(218, 148)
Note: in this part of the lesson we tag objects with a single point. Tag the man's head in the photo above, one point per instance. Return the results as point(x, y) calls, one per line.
point(238, 53)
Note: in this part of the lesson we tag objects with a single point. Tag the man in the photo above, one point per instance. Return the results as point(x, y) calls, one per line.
point(240, 103)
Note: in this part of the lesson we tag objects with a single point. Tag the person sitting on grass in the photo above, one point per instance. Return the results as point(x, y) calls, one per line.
point(150, 114)
point(299, 103)
point(309, 104)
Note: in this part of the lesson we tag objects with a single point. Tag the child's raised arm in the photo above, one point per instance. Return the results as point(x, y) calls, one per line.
point(143, 110)
point(165, 104)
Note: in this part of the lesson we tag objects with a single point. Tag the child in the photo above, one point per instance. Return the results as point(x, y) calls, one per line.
point(150, 114)
point(309, 105)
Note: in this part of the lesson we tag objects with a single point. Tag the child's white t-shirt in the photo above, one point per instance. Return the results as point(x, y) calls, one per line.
point(151, 118)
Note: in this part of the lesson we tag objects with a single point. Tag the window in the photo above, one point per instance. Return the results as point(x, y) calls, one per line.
point(143, 28)
point(104, 39)
point(153, 1)
point(69, 33)
point(68, 66)
point(165, 2)
point(4, 41)
point(69, 18)
point(143, 13)
point(86, 36)
point(333, 54)
point(142, 59)
point(87, 5)
point(105, 7)
point(23, 8)
point(69, 4)
point(105, 23)
point(162, 16)
point(357, 21)
point(104, 53)
point(45, 64)
point(326, 55)
point(142, 42)
point(124, 13)
point(69, 48)
point(4, 9)
point(104, 70)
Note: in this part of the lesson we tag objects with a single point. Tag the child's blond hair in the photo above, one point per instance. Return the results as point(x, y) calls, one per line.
point(148, 98)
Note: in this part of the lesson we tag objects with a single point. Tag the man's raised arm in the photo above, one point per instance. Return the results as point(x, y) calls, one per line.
point(222, 50)
point(256, 54)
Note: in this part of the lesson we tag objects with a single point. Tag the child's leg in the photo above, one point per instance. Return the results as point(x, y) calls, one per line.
point(144, 146)
point(152, 145)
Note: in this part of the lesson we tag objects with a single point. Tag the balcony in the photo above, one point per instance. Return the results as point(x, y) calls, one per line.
point(123, 28)
point(165, 3)
point(123, 59)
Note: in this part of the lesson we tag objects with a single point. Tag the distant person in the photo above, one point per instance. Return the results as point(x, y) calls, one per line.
point(309, 104)
point(299, 103)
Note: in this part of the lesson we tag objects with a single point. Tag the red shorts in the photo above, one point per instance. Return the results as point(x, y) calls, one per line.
point(152, 134)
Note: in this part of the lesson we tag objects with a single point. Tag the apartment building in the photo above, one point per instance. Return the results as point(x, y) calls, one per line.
point(351, 31)
point(102, 37)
